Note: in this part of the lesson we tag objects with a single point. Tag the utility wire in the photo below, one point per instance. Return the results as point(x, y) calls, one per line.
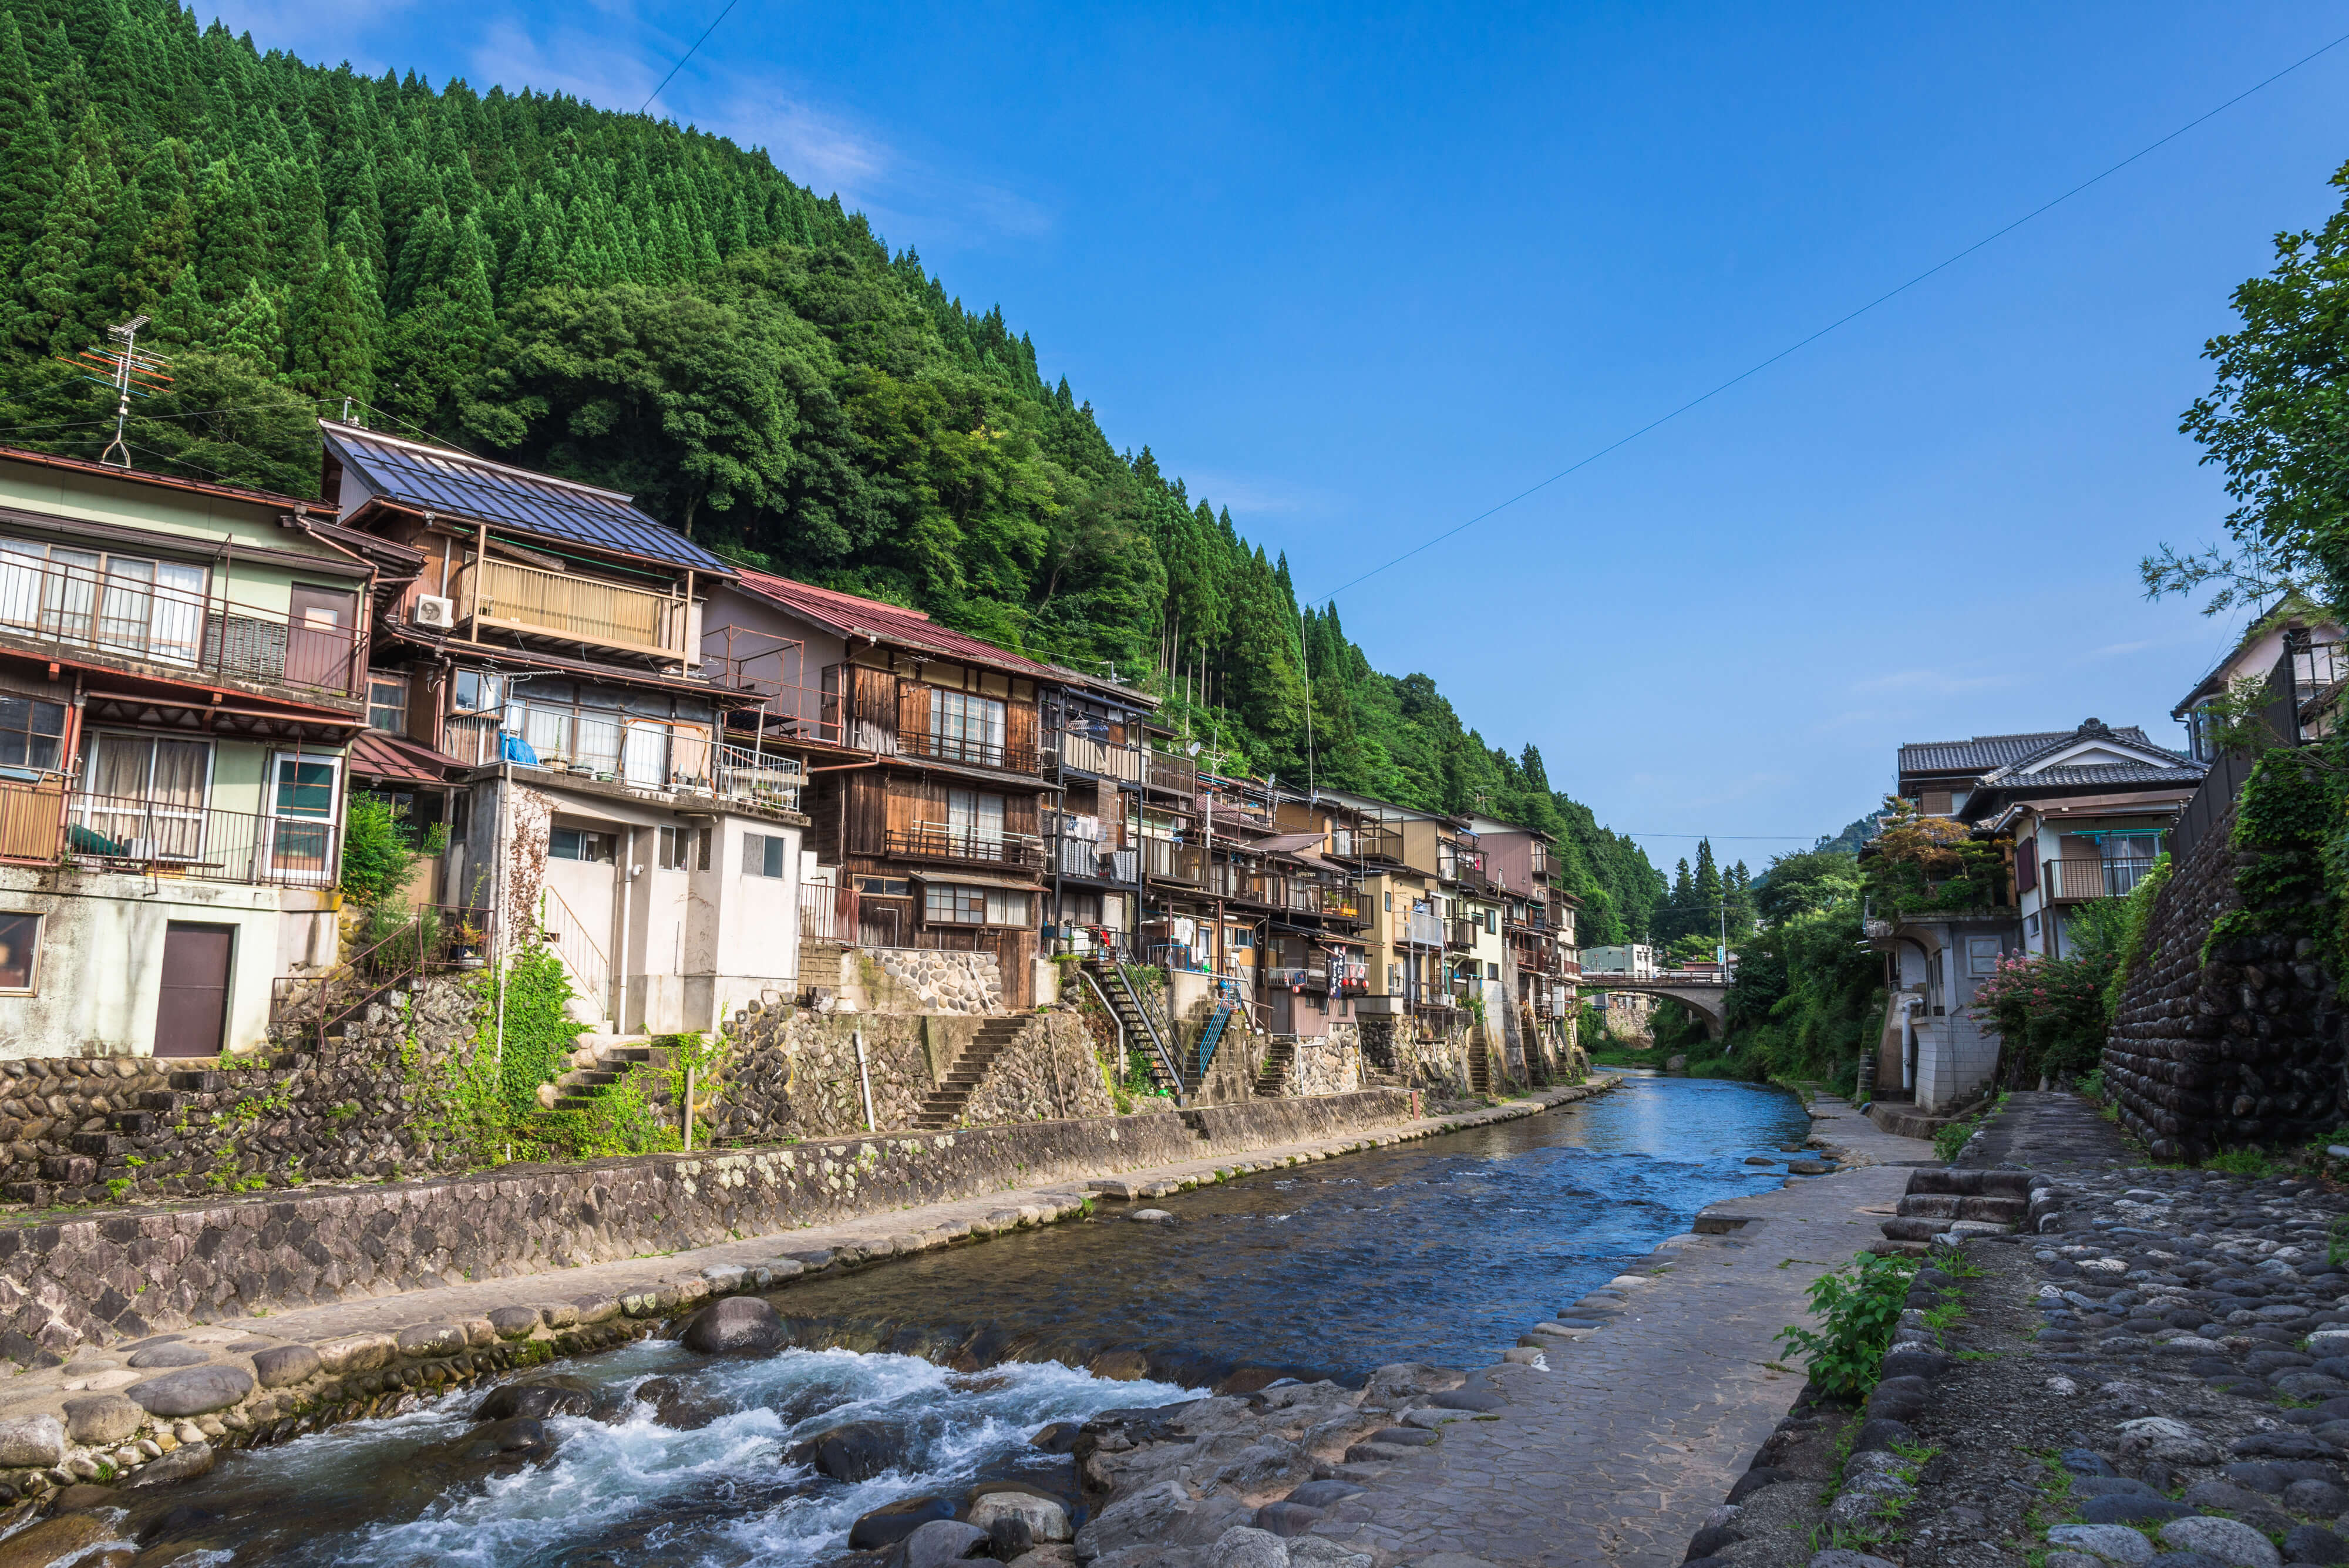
point(1801, 344)
point(688, 55)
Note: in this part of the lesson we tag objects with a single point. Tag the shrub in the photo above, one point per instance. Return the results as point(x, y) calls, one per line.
point(378, 858)
point(1858, 1307)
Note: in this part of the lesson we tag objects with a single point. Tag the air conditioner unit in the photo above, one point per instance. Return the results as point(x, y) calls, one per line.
point(436, 612)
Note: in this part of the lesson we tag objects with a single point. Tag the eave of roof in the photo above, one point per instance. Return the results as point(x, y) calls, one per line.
point(165, 481)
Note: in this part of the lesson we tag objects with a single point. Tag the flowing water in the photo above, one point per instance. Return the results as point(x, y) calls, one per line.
point(1441, 1251)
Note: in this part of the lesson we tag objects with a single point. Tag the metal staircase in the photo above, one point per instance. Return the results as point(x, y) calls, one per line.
point(1141, 1027)
point(1210, 1038)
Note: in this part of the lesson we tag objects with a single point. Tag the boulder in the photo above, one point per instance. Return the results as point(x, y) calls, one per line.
point(102, 1418)
point(736, 1325)
point(2230, 1541)
point(432, 1339)
point(1247, 1547)
point(892, 1522)
point(538, 1399)
point(1046, 1517)
point(184, 1463)
point(81, 1497)
point(942, 1540)
point(282, 1364)
point(679, 1404)
point(517, 1322)
point(160, 1356)
point(857, 1451)
point(60, 1540)
point(354, 1352)
point(193, 1390)
point(515, 1439)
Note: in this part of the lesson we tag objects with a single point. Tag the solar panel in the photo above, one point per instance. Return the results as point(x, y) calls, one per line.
point(453, 485)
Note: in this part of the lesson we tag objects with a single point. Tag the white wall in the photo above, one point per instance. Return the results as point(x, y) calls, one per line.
point(741, 931)
point(101, 964)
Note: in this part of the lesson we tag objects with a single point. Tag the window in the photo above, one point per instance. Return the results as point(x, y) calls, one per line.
point(682, 848)
point(762, 854)
point(945, 904)
point(886, 886)
point(127, 603)
point(965, 728)
point(20, 952)
point(146, 798)
point(632, 735)
point(478, 691)
point(1982, 955)
point(1390, 898)
point(1492, 971)
point(1934, 803)
point(1492, 925)
point(387, 703)
point(973, 819)
point(581, 844)
point(1241, 938)
point(32, 733)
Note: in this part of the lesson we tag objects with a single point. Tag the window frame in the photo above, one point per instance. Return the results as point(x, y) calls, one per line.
point(32, 986)
point(32, 706)
point(374, 705)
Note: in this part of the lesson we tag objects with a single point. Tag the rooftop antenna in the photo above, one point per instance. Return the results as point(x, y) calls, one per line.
point(128, 374)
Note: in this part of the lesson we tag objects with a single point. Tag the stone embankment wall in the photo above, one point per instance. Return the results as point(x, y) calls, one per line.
point(794, 1074)
point(134, 1128)
point(132, 1274)
point(1330, 1064)
point(2244, 1048)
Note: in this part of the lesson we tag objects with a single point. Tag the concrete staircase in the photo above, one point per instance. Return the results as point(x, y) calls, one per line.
point(1480, 1070)
point(1956, 1203)
point(1272, 1080)
point(614, 1057)
point(944, 1107)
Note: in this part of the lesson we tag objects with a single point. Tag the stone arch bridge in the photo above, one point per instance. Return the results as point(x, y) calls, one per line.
point(1706, 998)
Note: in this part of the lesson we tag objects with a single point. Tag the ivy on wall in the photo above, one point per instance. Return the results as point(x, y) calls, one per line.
point(2283, 881)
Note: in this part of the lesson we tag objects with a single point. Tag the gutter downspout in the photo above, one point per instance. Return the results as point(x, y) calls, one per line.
point(1909, 1005)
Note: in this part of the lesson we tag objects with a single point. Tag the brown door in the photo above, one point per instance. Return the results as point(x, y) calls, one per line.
point(192, 1017)
point(321, 623)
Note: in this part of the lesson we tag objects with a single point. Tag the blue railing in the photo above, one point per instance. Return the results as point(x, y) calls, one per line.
point(1212, 1036)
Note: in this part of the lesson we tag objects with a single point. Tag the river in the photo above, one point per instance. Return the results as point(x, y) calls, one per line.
point(1439, 1250)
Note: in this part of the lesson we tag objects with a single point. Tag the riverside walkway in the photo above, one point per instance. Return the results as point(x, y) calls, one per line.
point(1611, 1455)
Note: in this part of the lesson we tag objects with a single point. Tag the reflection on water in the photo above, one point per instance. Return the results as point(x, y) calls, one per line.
point(1441, 1251)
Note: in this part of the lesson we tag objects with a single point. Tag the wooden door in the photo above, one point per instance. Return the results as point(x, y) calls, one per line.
point(191, 1018)
point(320, 632)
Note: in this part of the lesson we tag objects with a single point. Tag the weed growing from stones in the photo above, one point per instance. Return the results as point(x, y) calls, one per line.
point(1858, 1307)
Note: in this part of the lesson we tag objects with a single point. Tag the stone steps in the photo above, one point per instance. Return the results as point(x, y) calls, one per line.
point(943, 1107)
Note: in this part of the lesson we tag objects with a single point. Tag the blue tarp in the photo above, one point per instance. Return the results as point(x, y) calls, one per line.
point(514, 749)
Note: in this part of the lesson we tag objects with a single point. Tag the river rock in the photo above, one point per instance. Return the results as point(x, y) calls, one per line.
point(538, 1399)
point(1046, 1518)
point(1060, 1437)
point(1270, 1465)
point(892, 1522)
point(2228, 1540)
point(519, 1322)
point(515, 1439)
point(1317, 1552)
point(282, 1364)
point(432, 1339)
point(1247, 1547)
point(159, 1356)
point(737, 1325)
point(1407, 1380)
point(857, 1451)
point(81, 1497)
point(184, 1463)
point(1163, 1515)
point(679, 1404)
point(2113, 1543)
point(352, 1352)
point(102, 1418)
point(1287, 1518)
point(2313, 1543)
point(942, 1540)
point(59, 1540)
point(193, 1391)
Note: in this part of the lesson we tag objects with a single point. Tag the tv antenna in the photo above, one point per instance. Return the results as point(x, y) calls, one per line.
point(129, 373)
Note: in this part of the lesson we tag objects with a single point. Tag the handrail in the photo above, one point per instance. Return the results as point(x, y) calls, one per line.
point(572, 936)
point(1212, 1036)
point(1149, 1025)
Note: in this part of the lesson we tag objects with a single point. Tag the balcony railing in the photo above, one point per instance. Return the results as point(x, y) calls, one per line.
point(2080, 880)
point(1167, 861)
point(196, 843)
point(1379, 841)
point(1425, 931)
point(934, 841)
point(505, 595)
point(178, 627)
point(1100, 758)
point(1168, 771)
point(763, 778)
point(970, 752)
point(1463, 933)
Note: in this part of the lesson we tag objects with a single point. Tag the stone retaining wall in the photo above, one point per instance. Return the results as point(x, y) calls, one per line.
point(135, 1272)
point(2243, 1049)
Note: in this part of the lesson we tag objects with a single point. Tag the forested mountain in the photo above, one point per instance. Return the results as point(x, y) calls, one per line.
point(654, 309)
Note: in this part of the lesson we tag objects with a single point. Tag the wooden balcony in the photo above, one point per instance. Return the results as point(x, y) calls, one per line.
point(1164, 860)
point(2081, 879)
point(931, 841)
point(554, 606)
point(1099, 758)
point(969, 751)
point(1177, 774)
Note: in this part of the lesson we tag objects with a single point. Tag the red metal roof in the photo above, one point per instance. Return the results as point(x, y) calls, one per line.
point(852, 615)
point(378, 755)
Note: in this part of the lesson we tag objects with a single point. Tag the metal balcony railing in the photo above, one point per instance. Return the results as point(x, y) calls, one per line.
point(151, 622)
point(1168, 861)
point(200, 844)
point(1463, 933)
point(2079, 880)
point(933, 841)
point(763, 778)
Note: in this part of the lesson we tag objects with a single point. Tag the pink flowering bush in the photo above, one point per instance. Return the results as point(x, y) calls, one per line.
point(2048, 1013)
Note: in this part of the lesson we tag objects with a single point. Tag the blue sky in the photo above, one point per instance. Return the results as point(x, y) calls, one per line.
point(1359, 274)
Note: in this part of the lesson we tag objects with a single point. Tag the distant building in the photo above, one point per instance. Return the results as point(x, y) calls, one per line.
point(1634, 961)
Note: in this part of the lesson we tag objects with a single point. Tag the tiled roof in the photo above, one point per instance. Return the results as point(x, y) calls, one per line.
point(1983, 753)
point(457, 484)
point(2122, 774)
point(852, 615)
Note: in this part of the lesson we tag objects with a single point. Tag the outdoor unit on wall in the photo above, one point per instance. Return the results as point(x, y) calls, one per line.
point(436, 612)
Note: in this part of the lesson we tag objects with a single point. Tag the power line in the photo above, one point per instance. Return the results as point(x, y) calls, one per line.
point(688, 55)
point(1843, 320)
